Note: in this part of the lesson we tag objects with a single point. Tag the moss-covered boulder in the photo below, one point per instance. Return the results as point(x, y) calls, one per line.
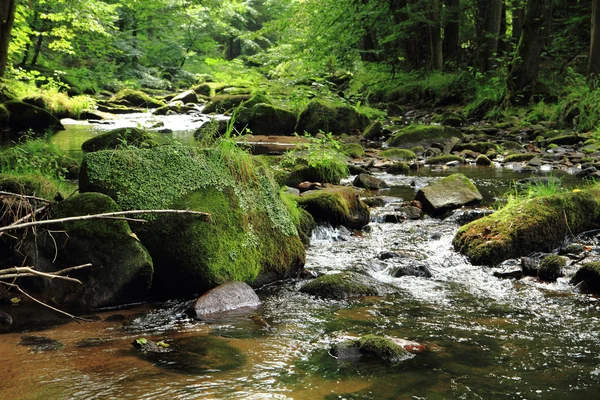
point(398, 168)
point(449, 119)
point(425, 135)
point(23, 117)
point(519, 157)
point(189, 96)
point(398, 154)
point(323, 116)
point(344, 285)
point(267, 119)
point(479, 147)
point(448, 193)
point(551, 268)
point(382, 348)
point(136, 98)
point(538, 224)
point(336, 205)
point(224, 103)
point(119, 137)
point(566, 140)
point(121, 270)
point(374, 131)
point(371, 182)
point(244, 111)
point(203, 89)
point(589, 274)
point(483, 161)
point(250, 236)
point(353, 150)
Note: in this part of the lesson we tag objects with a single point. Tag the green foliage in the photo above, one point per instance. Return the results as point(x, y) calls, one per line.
point(535, 189)
point(398, 154)
point(36, 156)
point(580, 103)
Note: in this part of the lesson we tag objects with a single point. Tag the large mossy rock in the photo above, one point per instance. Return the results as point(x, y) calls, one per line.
point(448, 193)
point(244, 111)
point(224, 103)
point(267, 119)
point(344, 285)
point(23, 117)
point(250, 236)
point(426, 136)
point(336, 205)
point(589, 274)
point(323, 116)
point(119, 137)
point(538, 224)
point(121, 270)
point(136, 98)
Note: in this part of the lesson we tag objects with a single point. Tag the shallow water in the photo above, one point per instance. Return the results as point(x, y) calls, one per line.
point(488, 338)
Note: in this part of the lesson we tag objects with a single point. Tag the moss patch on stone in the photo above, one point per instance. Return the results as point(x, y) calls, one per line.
point(398, 154)
point(551, 268)
point(589, 274)
point(224, 103)
point(479, 147)
point(340, 286)
point(382, 348)
point(136, 98)
point(339, 205)
point(422, 135)
point(353, 150)
point(120, 137)
point(324, 116)
point(32, 185)
point(538, 224)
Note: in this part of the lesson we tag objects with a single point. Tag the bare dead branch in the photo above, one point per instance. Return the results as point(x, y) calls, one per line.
point(28, 216)
point(205, 216)
point(22, 196)
point(18, 272)
point(74, 317)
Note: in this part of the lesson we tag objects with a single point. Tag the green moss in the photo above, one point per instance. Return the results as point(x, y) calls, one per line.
point(537, 224)
point(120, 137)
point(330, 172)
point(137, 98)
point(381, 348)
point(422, 135)
point(251, 236)
point(551, 268)
point(418, 149)
point(338, 286)
point(398, 168)
point(243, 112)
point(567, 140)
point(552, 146)
point(336, 206)
point(204, 89)
point(590, 274)
point(323, 116)
point(374, 131)
point(483, 160)
point(398, 154)
point(34, 185)
point(443, 159)
point(353, 150)
point(267, 119)
point(224, 103)
point(519, 157)
point(479, 147)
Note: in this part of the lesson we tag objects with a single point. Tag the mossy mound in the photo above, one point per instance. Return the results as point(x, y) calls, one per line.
point(250, 236)
point(398, 168)
point(398, 154)
point(23, 117)
point(323, 116)
point(479, 147)
point(353, 150)
point(31, 185)
point(332, 172)
point(443, 159)
point(136, 98)
point(538, 224)
point(120, 137)
point(203, 89)
point(382, 348)
point(267, 119)
point(121, 270)
point(425, 135)
point(224, 103)
point(519, 157)
point(589, 274)
point(551, 268)
point(336, 205)
point(344, 285)
point(374, 131)
point(566, 140)
point(483, 160)
point(244, 111)
point(449, 119)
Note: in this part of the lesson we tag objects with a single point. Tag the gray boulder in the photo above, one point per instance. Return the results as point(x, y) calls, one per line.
point(448, 193)
point(369, 182)
point(226, 297)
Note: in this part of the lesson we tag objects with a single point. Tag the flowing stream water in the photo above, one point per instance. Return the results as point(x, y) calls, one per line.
point(488, 338)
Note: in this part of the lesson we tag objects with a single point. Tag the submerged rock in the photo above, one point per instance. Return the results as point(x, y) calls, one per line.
point(589, 274)
point(38, 344)
point(6, 322)
point(450, 192)
point(226, 297)
point(346, 284)
point(420, 271)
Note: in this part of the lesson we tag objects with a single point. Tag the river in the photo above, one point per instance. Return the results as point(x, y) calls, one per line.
point(488, 338)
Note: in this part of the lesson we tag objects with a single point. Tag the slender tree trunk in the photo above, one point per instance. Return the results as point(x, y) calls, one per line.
point(435, 36)
point(518, 15)
point(489, 20)
point(524, 68)
point(37, 50)
point(594, 59)
point(368, 42)
point(451, 30)
point(234, 48)
point(7, 19)
point(134, 39)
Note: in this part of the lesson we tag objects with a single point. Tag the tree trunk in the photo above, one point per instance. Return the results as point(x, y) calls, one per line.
point(7, 19)
point(523, 73)
point(134, 42)
point(451, 30)
point(518, 15)
point(234, 48)
point(594, 60)
point(435, 36)
point(489, 20)
point(37, 50)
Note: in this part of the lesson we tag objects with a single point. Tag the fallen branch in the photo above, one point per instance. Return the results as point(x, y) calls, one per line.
point(28, 216)
point(205, 216)
point(22, 196)
point(74, 317)
point(20, 272)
